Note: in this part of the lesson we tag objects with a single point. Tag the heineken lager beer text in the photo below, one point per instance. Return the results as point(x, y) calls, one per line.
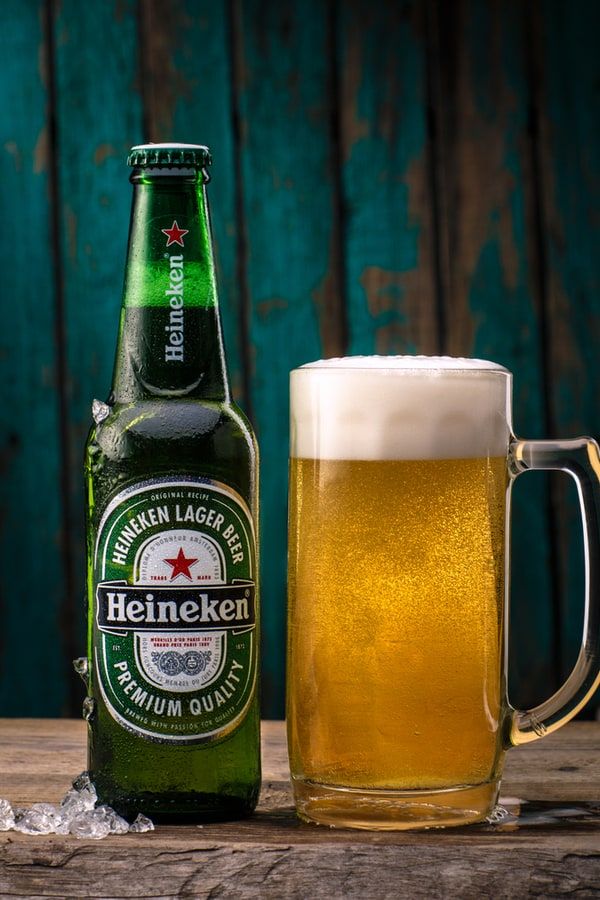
point(171, 467)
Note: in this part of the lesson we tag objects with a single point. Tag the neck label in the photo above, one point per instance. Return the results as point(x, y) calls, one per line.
point(174, 295)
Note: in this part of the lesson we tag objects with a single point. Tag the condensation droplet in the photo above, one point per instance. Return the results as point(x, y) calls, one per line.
point(89, 708)
point(82, 667)
point(100, 411)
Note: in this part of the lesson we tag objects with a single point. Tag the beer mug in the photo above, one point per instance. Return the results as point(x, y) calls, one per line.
point(400, 478)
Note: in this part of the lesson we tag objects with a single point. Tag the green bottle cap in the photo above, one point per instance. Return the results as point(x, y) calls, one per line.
point(195, 155)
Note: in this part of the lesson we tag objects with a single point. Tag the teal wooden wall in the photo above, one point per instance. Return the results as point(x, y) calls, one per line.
point(410, 176)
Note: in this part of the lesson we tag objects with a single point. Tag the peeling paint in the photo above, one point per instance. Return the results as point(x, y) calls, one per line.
point(123, 8)
point(71, 225)
point(402, 303)
point(483, 159)
point(354, 127)
point(388, 121)
point(327, 298)
point(389, 235)
point(42, 56)
point(383, 289)
point(265, 307)
point(391, 339)
point(103, 152)
point(241, 69)
point(163, 36)
point(406, 297)
point(13, 149)
point(567, 362)
point(41, 151)
point(237, 385)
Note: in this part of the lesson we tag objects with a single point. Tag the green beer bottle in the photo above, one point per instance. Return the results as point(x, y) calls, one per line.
point(171, 471)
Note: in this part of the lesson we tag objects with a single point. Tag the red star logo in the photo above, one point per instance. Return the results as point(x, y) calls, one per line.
point(181, 565)
point(175, 234)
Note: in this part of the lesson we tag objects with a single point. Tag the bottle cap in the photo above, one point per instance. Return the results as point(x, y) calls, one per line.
point(196, 155)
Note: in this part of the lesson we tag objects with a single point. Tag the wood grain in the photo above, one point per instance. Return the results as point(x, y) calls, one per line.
point(273, 855)
point(187, 85)
point(33, 673)
point(491, 295)
point(98, 118)
point(285, 104)
point(569, 93)
point(387, 192)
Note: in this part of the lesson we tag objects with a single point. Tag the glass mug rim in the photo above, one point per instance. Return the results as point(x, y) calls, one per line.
point(403, 363)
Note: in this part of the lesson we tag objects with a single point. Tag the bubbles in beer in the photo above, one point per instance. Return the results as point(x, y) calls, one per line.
point(396, 596)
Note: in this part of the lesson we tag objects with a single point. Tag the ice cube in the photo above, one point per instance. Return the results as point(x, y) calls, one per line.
point(118, 825)
point(7, 816)
point(498, 814)
point(81, 798)
point(92, 824)
point(83, 780)
point(41, 818)
point(142, 823)
point(74, 803)
point(79, 801)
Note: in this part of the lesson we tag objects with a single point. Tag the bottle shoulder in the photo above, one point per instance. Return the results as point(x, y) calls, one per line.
point(172, 416)
point(154, 427)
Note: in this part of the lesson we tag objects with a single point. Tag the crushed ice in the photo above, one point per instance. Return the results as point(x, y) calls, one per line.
point(142, 823)
point(7, 816)
point(76, 814)
point(498, 816)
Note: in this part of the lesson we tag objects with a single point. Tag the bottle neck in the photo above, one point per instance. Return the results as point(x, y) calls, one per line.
point(170, 341)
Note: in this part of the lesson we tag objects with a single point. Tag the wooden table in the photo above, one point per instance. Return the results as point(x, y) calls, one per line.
point(553, 852)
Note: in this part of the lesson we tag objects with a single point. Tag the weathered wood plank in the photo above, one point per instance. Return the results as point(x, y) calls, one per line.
point(98, 117)
point(33, 673)
point(273, 855)
point(187, 77)
point(284, 97)
point(491, 294)
point(385, 157)
point(545, 868)
point(569, 159)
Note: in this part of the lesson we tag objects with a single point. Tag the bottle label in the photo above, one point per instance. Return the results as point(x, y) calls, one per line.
point(175, 609)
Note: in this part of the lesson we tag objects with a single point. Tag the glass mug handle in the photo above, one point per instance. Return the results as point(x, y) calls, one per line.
point(580, 458)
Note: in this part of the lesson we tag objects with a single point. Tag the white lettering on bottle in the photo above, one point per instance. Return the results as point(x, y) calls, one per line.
point(174, 294)
point(123, 610)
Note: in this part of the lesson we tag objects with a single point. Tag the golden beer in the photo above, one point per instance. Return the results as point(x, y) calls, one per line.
point(398, 495)
point(395, 663)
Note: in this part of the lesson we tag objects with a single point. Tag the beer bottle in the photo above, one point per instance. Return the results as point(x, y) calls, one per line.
point(171, 471)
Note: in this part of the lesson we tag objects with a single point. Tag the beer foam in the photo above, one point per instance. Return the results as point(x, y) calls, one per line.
point(400, 407)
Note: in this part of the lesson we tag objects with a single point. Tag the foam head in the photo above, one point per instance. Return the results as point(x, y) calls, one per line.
point(400, 407)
